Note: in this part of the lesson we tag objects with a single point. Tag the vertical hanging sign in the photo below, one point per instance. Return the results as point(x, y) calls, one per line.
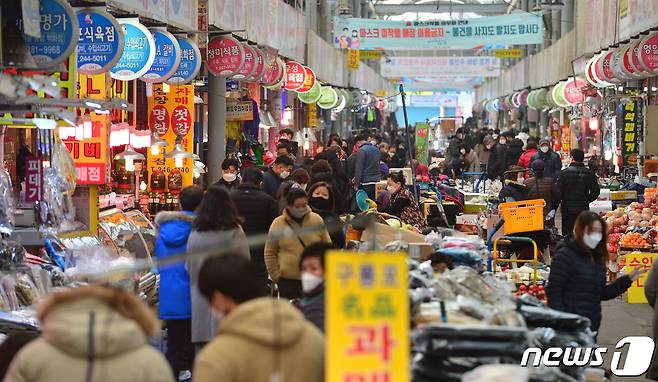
point(33, 179)
point(353, 61)
point(631, 133)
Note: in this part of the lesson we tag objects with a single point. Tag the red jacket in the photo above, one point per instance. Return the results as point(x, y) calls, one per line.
point(526, 158)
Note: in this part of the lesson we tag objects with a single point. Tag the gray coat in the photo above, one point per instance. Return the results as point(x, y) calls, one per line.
point(204, 326)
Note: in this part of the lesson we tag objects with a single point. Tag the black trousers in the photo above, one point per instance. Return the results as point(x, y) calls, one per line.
point(180, 351)
point(568, 221)
point(260, 271)
point(290, 289)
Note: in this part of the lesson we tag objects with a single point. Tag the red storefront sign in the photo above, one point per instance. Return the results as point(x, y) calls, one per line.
point(259, 59)
point(648, 53)
point(572, 91)
point(249, 65)
point(33, 179)
point(159, 119)
point(295, 75)
point(309, 82)
point(225, 56)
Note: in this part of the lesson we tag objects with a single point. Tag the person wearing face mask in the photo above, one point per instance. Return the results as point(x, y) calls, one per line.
point(366, 166)
point(259, 338)
point(275, 175)
point(282, 255)
point(217, 225)
point(323, 203)
point(299, 179)
point(230, 178)
point(577, 282)
point(578, 187)
point(552, 160)
point(402, 202)
point(496, 166)
point(483, 151)
point(312, 268)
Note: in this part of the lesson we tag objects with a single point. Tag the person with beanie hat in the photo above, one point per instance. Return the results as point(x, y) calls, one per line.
point(543, 187)
point(552, 160)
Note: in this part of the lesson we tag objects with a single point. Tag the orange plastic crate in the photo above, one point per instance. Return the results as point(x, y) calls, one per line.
point(523, 216)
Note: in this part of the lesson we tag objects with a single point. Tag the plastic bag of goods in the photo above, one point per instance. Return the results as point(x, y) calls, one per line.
point(7, 205)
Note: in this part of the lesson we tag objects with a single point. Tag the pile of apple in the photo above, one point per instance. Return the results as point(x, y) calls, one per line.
point(534, 290)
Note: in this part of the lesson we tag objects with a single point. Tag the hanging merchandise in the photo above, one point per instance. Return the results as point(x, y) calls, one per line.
point(309, 81)
point(249, 66)
point(100, 44)
point(226, 56)
point(328, 97)
point(295, 75)
point(59, 32)
point(648, 53)
point(49, 212)
point(189, 65)
point(7, 204)
point(313, 95)
point(138, 51)
point(259, 70)
point(167, 57)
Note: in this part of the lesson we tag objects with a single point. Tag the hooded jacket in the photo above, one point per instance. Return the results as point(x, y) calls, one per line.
point(552, 162)
point(92, 334)
point(526, 158)
point(204, 325)
point(577, 282)
point(258, 339)
point(173, 231)
point(282, 255)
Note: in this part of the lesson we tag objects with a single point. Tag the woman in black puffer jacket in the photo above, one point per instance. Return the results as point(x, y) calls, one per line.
point(577, 282)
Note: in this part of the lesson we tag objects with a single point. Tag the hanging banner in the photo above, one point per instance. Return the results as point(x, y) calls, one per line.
point(312, 118)
point(239, 110)
point(33, 179)
point(138, 51)
point(295, 75)
point(100, 43)
point(632, 132)
point(422, 132)
point(189, 65)
point(172, 113)
point(249, 66)
point(353, 61)
point(521, 28)
point(395, 67)
point(167, 57)
point(368, 328)
point(225, 56)
point(59, 32)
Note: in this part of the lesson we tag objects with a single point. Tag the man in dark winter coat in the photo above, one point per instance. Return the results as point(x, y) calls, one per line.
point(579, 187)
point(258, 210)
point(496, 165)
point(311, 264)
point(276, 174)
point(552, 160)
point(452, 152)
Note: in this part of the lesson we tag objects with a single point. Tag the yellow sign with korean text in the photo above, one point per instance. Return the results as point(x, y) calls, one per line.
point(367, 317)
point(353, 59)
point(312, 116)
point(635, 294)
point(370, 54)
point(171, 114)
point(239, 110)
point(508, 53)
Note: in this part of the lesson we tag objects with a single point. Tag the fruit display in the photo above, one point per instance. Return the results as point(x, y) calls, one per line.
point(636, 240)
point(533, 290)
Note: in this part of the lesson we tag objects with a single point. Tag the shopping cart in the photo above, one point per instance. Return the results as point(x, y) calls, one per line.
point(517, 217)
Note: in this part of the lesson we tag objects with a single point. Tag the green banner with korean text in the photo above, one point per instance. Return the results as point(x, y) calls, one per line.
point(422, 132)
point(371, 34)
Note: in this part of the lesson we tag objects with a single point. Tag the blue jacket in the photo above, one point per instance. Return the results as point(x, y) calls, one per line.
point(174, 230)
point(366, 168)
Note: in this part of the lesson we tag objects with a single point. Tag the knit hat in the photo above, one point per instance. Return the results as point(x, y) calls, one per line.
point(545, 142)
point(537, 166)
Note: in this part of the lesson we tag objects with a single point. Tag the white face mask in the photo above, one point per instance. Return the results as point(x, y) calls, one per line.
point(544, 149)
point(592, 239)
point(298, 212)
point(229, 177)
point(495, 136)
point(284, 174)
point(310, 282)
point(463, 151)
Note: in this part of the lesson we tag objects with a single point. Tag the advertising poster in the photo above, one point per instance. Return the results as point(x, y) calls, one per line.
point(422, 131)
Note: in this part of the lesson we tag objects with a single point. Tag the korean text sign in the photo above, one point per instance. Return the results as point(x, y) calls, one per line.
point(33, 179)
point(367, 317)
point(635, 294)
point(172, 114)
point(632, 130)
point(395, 67)
point(370, 34)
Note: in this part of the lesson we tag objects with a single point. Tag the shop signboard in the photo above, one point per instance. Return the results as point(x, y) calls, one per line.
point(312, 120)
point(328, 97)
point(371, 34)
point(632, 132)
point(370, 54)
point(239, 110)
point(249, 66)
point(312, 96)
point(507, 53)
point(259, 70)
point(368, 328)
point(33, 179)
point(353, 60)
point(422, 132)
point(100, 42)
point(635, 294)
point(138, 51)
point(59, 32)
point(173, 113)
point(225, 56)
point(648, 53)
point(167, 57)
point(189, 65)
point(603, 69)
point(295, 75)
point(472, 66)
point(309, 81)
point(573, 91)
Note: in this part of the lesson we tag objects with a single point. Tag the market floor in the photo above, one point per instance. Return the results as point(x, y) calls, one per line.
point(621, 320)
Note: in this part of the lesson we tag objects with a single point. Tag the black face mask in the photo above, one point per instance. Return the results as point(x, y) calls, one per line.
point(320, 204)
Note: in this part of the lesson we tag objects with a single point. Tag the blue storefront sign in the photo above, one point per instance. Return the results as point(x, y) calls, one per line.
point(190, 63)
point(167, 57)
point(59, 34)
point(138, 51)
point(100, 44)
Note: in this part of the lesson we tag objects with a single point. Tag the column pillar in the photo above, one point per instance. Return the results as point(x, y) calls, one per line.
point(216, 126)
